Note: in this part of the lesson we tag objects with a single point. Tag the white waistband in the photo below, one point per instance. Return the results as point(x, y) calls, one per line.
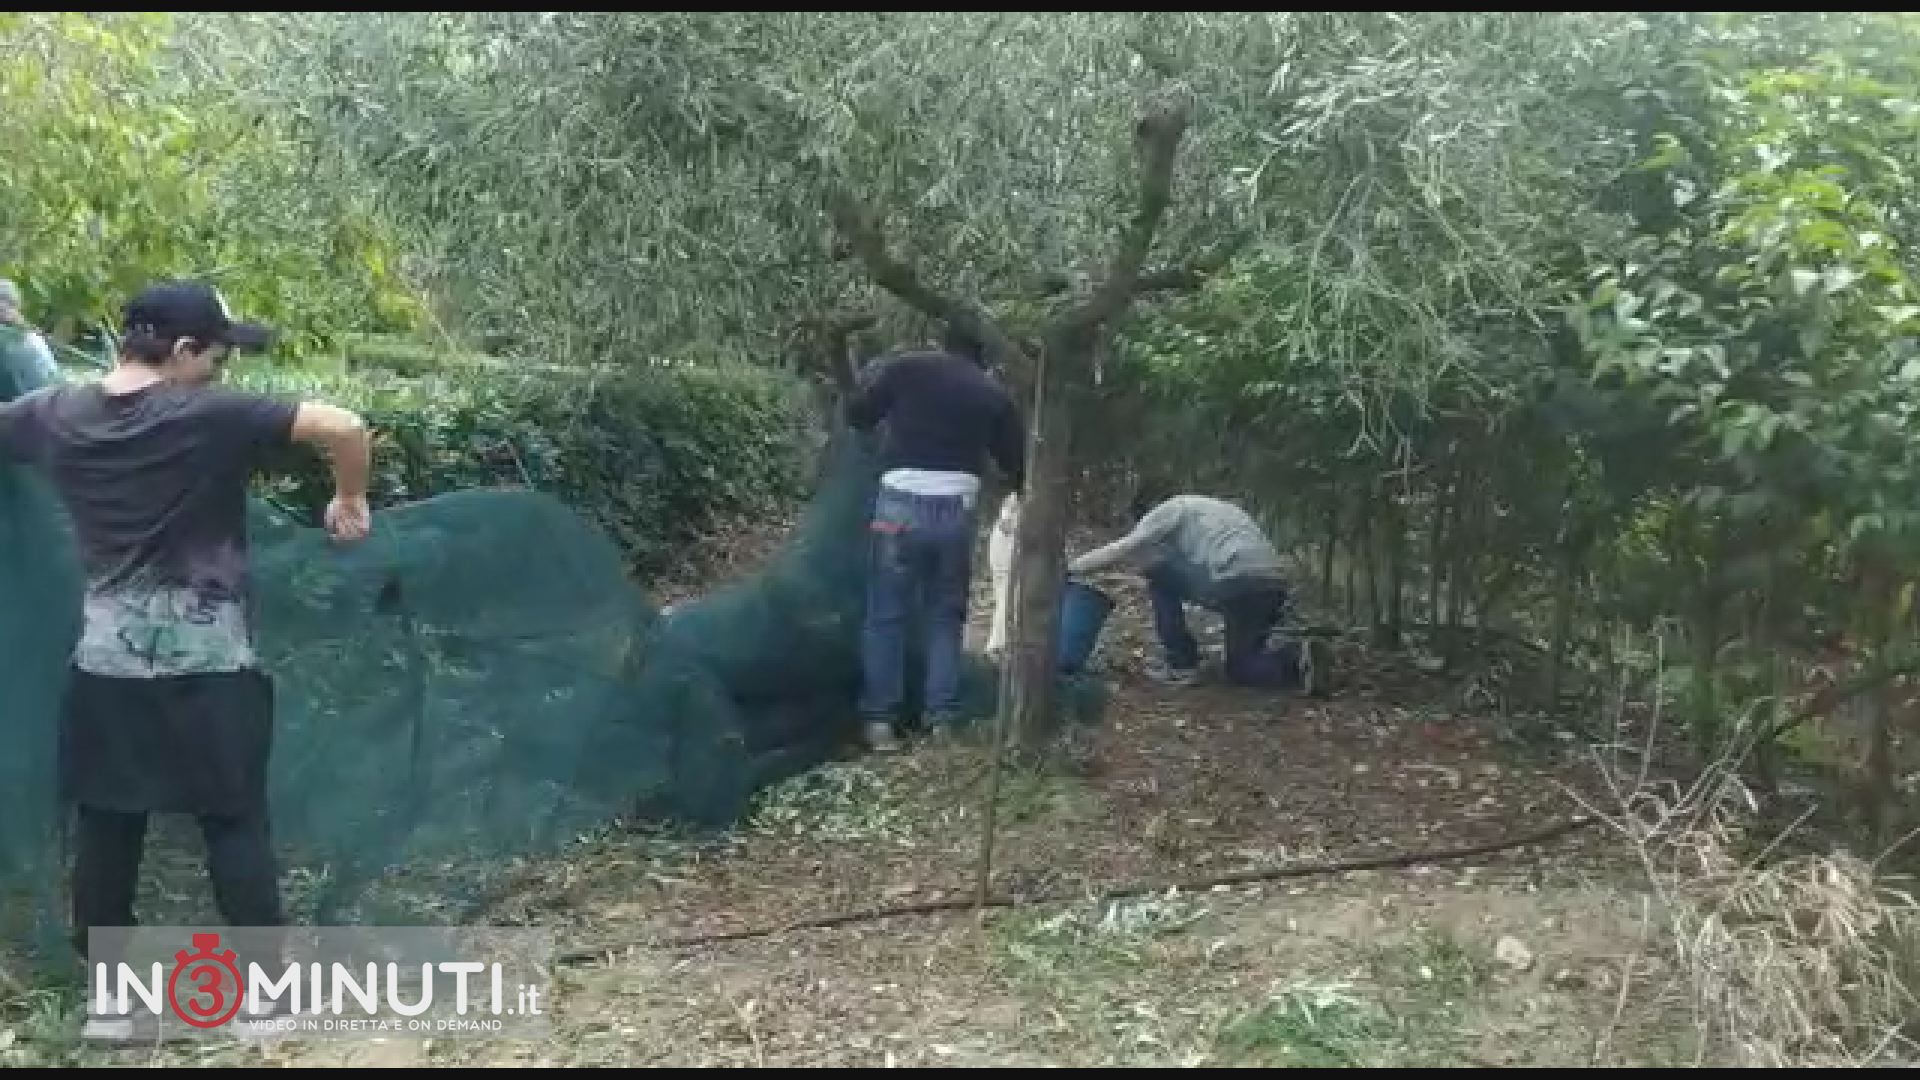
point(933, 484)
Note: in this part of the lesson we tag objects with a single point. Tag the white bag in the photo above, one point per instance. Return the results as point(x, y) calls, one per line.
point(1000, 557)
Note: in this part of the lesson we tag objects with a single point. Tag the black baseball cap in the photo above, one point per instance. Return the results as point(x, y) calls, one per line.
point(191, 309)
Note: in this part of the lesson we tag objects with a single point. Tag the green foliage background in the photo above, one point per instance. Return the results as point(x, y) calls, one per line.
point(1580, 327)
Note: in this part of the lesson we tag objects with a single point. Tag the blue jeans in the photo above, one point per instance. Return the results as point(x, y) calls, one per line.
point(1251, 614)
point(922, 561)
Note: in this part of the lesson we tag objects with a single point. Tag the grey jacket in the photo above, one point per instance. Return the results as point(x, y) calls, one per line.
point(26, 363)
point(1212, 545)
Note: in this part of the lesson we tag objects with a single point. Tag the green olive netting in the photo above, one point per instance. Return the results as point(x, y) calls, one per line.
point(476, 681)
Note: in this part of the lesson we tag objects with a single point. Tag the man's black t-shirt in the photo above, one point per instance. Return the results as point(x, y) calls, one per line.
point(155, 483)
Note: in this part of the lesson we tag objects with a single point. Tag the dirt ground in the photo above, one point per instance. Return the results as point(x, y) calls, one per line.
point(1509, 959)
point(1415, 966)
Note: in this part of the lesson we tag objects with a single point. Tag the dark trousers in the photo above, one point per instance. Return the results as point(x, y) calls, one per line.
point(196, 745)
point(922, 560)
point(1251, 614)
point(106, 871)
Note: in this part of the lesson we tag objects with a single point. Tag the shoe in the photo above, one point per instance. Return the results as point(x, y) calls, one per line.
point(880, 737)
point(1161, 673)
point(1315, 667)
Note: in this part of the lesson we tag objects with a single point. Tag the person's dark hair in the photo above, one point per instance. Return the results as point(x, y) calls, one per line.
point(961, 341)
point(149, 349)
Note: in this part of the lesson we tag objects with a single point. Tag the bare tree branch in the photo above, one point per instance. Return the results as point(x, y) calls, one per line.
point(824, 348)
point(1194, 273)
point(1158, 139)
point(1178, 277)
point(857, 225)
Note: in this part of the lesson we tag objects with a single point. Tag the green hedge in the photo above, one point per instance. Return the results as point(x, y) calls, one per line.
point(654, 455)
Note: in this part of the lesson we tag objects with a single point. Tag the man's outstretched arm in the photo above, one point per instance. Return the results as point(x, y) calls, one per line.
point(342, 436)
point(1156, 525)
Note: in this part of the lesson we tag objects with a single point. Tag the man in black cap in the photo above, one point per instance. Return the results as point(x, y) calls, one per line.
point(167, 710)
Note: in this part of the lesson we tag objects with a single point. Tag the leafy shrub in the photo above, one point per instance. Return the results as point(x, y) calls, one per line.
point(396, 354)
point(655, 456)
point(128, 168)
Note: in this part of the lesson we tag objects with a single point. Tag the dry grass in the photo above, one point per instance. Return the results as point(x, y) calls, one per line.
point(1783, 958)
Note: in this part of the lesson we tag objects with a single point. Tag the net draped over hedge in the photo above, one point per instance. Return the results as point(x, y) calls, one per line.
point(478, 680)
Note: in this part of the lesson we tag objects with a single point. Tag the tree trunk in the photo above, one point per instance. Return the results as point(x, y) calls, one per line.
point(1876, 796)
point(1396, 571)
point(1436, 548)
point(1474, 585)
point(1028, 680)
point(1459, 536)
point(1879, 787)
point(1766, 773)
point(1326, 557)
point(1706, 663)
point(1616, 671)
point(1767, 639)
point(1356, 549)
point(1065, 368)
point(1564, 594)
point(1370, 551)
point(1571, 551)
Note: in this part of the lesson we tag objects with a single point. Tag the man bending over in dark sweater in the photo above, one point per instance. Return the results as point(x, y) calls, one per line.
point(944, 415)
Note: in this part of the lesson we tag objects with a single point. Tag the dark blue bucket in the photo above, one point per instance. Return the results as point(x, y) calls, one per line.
point(1083, 612)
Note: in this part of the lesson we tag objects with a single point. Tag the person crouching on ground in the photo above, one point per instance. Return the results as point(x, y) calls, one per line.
point(944, 415)
point(167, 709)
point(1192, 549)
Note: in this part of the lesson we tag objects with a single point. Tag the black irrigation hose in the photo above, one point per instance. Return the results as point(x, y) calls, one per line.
point(578, 957)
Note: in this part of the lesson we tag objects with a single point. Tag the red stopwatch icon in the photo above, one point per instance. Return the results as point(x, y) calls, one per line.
point(215, 982)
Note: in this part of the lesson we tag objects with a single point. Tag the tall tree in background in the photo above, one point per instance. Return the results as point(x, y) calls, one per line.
point(127, 165)
point(1030, 172)
point(1062, 369)
point(1001, 154)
